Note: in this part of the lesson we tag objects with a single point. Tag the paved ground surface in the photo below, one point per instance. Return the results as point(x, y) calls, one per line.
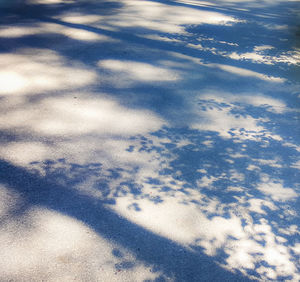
point(149, 140)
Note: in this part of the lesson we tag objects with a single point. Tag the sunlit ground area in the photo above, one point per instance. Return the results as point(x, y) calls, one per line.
point(149, 140)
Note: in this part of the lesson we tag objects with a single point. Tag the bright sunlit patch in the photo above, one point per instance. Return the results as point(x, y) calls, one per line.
point(23, 153)
point(83, 35)
point(220, 112)
point(14, 31)
point(290, 57)
point(263, 47)
point(268, 103)
point(139, 71)
point(206, 181)
point(12, 82)
point(260, 54)
point(240, 253)
point(247, 73)
point(75, 33)
point(66, 115)
point(190, 223)
point(93, 119)
point(46, 245)
point(79, 18)
point(277, 192)
point(35, 70)
point(256, 205)
point(222, 121)
point(11, 31)
point(296, 248)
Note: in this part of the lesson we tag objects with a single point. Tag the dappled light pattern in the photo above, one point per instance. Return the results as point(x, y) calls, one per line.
point(149, 140)
point(81, 254)
point(218, 195)
point(34, 70)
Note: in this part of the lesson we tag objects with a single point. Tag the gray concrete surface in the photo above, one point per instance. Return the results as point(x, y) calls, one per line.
point(149, 140)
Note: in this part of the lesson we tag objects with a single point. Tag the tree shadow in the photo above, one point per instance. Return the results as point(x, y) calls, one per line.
point(163, 254)
point(228, 158)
